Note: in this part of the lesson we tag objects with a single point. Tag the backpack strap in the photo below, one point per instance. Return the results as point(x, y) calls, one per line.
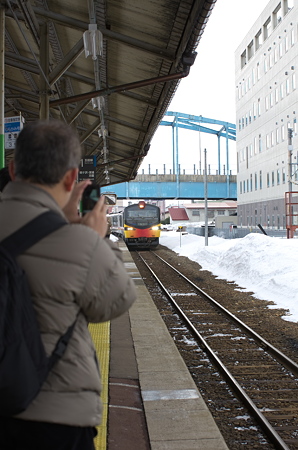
point(32, 232)
point(24, 238)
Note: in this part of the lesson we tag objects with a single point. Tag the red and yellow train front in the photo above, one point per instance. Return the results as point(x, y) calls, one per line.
point(142, 225)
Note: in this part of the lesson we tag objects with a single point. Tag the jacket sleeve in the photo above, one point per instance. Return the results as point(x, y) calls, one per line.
point(109, 290)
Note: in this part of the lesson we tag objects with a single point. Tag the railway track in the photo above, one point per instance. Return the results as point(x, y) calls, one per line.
point(251, 384)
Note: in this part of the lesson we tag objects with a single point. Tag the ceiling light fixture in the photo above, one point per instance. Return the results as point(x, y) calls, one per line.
point(93, 41)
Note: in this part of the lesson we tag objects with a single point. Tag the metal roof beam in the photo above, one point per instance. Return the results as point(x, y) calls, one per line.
point(67, 61)
point(122, 87)
point(90, 130)
point(13, 60)
point(78, 24)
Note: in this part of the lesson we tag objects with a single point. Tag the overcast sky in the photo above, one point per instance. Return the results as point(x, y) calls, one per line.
point(209, 89)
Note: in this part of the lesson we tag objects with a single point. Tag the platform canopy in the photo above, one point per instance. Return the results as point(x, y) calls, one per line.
point(109, 67)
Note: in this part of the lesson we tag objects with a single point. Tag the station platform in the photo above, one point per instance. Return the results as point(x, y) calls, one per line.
point(150, 399)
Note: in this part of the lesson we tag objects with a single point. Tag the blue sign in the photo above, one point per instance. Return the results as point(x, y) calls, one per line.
point(12, 127)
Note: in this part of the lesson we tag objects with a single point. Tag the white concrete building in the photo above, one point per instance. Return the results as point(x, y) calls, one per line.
point(266, 109)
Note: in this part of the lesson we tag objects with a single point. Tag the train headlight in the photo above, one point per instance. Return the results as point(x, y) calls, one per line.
point(129, 228)
point(154, 228)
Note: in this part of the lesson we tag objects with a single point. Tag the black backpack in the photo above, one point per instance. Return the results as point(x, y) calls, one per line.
point(24, 364)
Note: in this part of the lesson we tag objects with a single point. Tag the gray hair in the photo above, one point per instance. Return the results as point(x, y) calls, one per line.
point(45, 151)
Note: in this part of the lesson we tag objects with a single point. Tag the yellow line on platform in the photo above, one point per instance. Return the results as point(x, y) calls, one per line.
point(100, 333)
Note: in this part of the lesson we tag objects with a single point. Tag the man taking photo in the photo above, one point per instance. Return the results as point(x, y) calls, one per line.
point(75, 275)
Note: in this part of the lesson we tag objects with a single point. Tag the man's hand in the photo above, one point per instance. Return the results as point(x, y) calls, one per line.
point(97, 218)
point(71, 208)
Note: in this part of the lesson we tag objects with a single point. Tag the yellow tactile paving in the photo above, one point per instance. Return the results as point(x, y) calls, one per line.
point(101, 337)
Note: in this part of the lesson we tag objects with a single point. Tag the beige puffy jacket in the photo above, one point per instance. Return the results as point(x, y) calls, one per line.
point(70, 271)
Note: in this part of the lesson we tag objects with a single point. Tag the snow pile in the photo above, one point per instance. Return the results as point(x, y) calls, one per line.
point(266, 266)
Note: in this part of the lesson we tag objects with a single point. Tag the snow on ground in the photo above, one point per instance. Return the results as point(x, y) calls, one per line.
point(266, 266)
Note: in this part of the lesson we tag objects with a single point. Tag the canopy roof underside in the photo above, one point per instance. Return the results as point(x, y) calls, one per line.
point(148, 45)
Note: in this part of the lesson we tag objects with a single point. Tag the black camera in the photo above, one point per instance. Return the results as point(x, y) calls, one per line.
point(90, 197)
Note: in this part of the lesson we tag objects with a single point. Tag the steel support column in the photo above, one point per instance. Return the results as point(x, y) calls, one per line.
point(228, 162)
point(218, 153)
point(177, 162)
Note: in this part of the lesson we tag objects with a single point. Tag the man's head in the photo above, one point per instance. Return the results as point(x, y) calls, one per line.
point(45, 151)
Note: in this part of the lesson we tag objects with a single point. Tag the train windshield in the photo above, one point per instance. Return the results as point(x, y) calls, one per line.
point(142, 217)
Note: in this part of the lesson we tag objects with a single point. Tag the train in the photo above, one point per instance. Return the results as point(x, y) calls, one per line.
point(138, 225)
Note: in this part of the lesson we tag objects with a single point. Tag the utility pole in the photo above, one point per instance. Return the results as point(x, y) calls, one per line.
point(206, 198)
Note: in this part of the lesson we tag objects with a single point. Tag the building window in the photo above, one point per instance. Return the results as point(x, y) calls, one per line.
point(282, 91)
point(272, 138)
point(278, 177)
point(259, 107)
point(261, 181)
point(277, 17)
point(250, 182)
point(266, 103)
point(271, 60)
point(265, 65)
point(277, 135)
point(287, 86)
point(260, 143)
point(294, 81)
point(267, 141)
point(275, 54)
point(240, 187)
point(196, 212)
point(283, 175)
point(258, 71)
point(256, 181)
point(271, 99)
point(272, 178)
point(267, 28)
point(286, 43)
point(220, 212)
point(280, 49)
point(258, 39)
point(250, 50)
point(243, 59)
point(290, 4)
point(292, 37)
point(244, 187)
point(282, 132)
point(268, 180)
point(276, 95)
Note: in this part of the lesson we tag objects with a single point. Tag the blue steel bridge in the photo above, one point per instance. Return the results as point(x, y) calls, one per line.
point(221, 185)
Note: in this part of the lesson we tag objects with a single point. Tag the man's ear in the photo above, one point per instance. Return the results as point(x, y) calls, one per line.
point(69, 179)
point(11, 170)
